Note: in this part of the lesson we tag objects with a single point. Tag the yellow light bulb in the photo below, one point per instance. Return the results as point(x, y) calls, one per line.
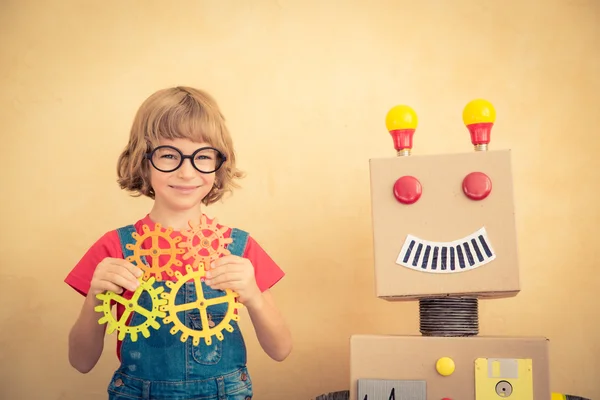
point(401, 121)
point(401, 117)
point(479, 111)
point(479, 116)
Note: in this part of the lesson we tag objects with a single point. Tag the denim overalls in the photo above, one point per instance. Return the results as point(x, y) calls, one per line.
point(161, 367)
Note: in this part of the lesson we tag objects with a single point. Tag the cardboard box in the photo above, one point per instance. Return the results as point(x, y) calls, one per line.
point(444, 217)
point(522, 367)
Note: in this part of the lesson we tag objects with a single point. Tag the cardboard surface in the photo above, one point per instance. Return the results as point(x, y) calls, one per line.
point(415, 358)
point(444, 214)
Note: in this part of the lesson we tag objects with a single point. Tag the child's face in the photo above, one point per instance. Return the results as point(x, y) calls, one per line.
point(184, 188)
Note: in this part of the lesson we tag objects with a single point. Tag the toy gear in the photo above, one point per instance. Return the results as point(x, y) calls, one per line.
point(201, 240)
point(155, 251)
point(209, 328)
point(132, 306)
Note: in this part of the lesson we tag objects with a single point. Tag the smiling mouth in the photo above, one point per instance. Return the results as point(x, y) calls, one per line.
point(184, 188)
point(460, 255)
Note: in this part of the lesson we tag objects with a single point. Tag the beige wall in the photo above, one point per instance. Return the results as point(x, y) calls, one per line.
point(305, 86)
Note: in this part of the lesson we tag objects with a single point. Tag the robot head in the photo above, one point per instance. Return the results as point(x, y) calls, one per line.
point(443, 225)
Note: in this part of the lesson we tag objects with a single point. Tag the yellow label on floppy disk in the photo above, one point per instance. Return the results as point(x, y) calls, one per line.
point(497, 378)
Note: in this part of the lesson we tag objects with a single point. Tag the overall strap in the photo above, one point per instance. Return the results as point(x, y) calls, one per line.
point(240, 239)
point(126, 237)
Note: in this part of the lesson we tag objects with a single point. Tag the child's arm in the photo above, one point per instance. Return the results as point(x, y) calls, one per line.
point(271, 330)
point(237, 273)
point(86, 339)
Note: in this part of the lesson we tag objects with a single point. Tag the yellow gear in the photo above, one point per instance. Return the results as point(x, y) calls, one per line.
point(132, 306)
point(201, 304)
point(155, 251)
point(200, 242)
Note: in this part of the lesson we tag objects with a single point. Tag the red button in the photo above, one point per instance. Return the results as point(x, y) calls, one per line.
point(407, 189)
point(477, 185)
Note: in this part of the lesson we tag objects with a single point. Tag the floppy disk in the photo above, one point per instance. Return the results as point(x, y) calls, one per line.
point(497, 378)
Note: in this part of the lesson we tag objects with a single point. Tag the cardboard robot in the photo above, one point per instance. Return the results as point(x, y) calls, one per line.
point(444, 235)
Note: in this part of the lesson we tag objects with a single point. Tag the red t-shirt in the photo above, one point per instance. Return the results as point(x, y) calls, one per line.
point(267, 273)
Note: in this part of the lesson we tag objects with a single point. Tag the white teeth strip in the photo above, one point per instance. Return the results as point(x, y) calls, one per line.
point(460, 255)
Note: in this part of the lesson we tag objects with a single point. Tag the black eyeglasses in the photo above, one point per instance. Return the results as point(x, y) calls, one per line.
point(168, 159)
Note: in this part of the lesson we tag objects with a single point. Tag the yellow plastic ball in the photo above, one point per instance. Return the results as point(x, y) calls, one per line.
point(401, 117)
point(445, 366)
point(479, 111)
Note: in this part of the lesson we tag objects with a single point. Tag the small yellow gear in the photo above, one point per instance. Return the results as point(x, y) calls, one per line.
point(132, 306)
point(200, 242)
point(208, 327)
point(155, 251)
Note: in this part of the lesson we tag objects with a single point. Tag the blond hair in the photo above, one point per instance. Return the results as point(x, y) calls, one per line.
point(179, 112)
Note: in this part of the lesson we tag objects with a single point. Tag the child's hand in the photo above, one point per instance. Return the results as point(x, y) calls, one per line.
point(114, 274)
point(235, 273)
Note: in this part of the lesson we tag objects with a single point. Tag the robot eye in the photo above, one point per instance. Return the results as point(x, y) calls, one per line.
point(407, 189)
point(477, 185)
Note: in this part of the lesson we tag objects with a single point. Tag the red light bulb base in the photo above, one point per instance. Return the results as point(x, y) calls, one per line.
point(480, 134)
point(403, 140)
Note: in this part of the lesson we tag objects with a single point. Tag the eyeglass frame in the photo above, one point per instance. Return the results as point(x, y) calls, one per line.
point(222, 156)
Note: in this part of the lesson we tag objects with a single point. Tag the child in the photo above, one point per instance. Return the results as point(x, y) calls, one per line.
point(179, 154)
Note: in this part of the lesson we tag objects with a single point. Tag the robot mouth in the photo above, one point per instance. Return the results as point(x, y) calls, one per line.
point(460, 255)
